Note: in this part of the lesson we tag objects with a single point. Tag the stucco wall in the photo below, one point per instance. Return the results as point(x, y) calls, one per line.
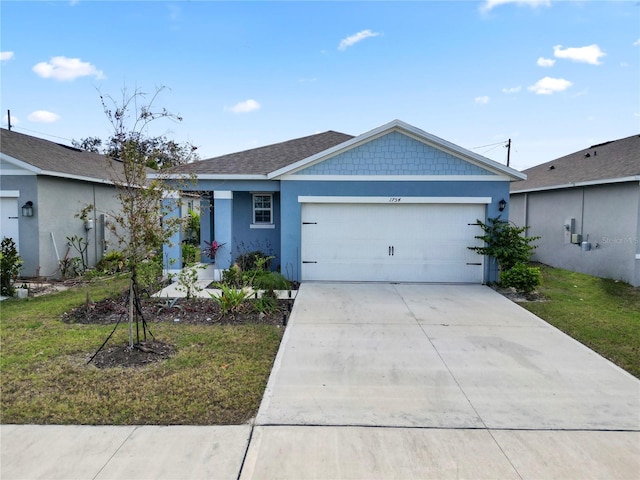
point(606, 215)
point(59, 200)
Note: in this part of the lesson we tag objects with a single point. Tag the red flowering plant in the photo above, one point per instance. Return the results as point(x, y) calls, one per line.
point(211, 249)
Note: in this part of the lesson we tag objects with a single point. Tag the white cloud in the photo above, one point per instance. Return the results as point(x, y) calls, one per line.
point(64, 69)
point(245, 107)
point(512, 89)
point(545, 62)
point(482, 100)
point(590, 54)
point(4, 56)
point(636, 43)
point(491, 4)
point(358, 37)
point(14, 120)
point(549, 85)
point(42, 116)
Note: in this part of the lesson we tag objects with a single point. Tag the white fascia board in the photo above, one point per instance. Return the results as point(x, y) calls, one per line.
point(20, 164)
point(21, 172)
point(396, 178)
point(590, 183)
point(413, 132)
point(395, 199)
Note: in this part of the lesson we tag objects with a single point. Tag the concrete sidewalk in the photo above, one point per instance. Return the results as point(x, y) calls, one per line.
point(378, 381)
point(51, 452)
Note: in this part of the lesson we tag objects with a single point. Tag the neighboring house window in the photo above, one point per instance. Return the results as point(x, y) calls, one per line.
point(262, 210)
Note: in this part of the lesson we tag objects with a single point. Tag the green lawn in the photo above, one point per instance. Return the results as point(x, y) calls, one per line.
point(600, 313)
point(218, 375)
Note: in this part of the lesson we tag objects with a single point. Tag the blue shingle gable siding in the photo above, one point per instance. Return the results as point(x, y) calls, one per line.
point(394, 154)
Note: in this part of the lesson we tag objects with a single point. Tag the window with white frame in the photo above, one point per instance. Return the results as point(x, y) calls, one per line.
point(262, 209)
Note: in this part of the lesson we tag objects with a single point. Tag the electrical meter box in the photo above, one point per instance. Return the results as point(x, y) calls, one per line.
point(576, 238)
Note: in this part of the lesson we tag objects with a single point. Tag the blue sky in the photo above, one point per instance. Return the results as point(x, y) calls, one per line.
point(554, 76)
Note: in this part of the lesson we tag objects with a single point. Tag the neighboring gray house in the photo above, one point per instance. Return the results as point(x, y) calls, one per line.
point(57, 182)
point(393, 204)
point(586, 208)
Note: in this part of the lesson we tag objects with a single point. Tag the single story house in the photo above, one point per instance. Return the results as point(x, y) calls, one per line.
point(43, 188)
point(586, 208)
point(395, 204)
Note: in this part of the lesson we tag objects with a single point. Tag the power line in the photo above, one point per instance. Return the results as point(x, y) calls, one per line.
point(490, 145)
point(13, 127)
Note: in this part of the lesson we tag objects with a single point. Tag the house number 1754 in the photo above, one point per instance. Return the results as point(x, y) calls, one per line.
point(395, 199)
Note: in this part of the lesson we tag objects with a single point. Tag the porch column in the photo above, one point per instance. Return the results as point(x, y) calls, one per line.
point(172, 249)
point(223, 228)
point(206, 226)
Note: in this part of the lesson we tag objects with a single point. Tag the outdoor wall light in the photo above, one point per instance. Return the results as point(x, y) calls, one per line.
point(27, 209)
point(502, 204)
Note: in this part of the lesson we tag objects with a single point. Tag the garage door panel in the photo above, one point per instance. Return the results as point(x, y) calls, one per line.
point(380, 242)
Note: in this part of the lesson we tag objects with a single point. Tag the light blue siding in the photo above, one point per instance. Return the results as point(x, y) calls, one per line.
point(394, 154)
point(223, 231)
point(247, 239)
point(172, 251)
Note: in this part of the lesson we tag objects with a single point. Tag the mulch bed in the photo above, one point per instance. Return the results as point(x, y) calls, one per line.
point(193, 311)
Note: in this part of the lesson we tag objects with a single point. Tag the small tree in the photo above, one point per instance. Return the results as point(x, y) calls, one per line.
point(141, 226)
point(505, 242)
point(10, 265)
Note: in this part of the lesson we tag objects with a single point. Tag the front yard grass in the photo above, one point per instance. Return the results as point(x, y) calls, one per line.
point(602, 314)
point(217, 376)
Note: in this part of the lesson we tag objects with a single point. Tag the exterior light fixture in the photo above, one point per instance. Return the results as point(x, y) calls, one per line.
point(27, 209)
point(502, 204)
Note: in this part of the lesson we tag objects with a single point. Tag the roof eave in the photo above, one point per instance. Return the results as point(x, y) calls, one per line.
point(209, 176)
point(20, 163)
point(588, 183)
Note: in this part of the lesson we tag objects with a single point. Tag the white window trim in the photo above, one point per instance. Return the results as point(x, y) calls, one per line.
point(255, 224)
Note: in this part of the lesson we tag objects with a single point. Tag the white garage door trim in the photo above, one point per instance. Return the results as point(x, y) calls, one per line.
point(379, 239)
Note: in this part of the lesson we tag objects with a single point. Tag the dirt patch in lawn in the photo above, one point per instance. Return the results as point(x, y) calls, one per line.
point(182, 311)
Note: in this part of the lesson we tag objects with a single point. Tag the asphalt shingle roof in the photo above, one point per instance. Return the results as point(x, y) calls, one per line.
point(53, 157)
point(605, 161)
point(263, 160)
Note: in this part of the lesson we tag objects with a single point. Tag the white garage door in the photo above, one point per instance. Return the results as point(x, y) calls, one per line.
point(391, 242)
point(9, 219)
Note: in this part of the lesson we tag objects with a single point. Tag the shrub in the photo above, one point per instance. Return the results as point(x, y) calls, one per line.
point(188, 281)
point(266, 305)
point(190, 254)
point(112, 262)
point(522, 277)
point(255, 260)
point(10, 265)
point(149, 275)
point(270, 281)
point(505, 243)
point(231, 300)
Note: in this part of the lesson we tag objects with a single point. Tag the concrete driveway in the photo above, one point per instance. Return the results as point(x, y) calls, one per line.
point(438, 381)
